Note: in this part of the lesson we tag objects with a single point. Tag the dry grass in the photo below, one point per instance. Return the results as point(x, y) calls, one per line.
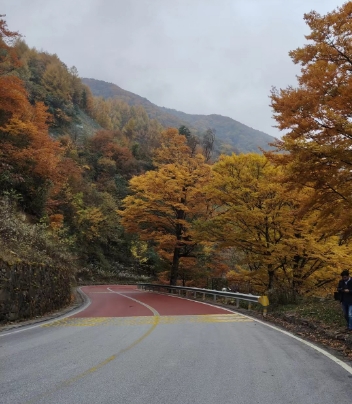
point(22, 240)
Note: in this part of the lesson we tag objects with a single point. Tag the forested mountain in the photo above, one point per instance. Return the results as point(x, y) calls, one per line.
point(65, 161)
point(232, 134)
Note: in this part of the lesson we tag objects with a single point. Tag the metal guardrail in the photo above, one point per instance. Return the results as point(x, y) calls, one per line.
point(263, 300)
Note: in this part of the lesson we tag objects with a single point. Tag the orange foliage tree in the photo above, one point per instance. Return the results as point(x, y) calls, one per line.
point(27, 153)
point(166, 202)
point(8, 56)
point(317, 119)
point(109, 158)
point(29, 156)
point(13, 96)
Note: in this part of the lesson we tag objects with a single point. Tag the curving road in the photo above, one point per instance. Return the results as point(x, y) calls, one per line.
point(132, 347)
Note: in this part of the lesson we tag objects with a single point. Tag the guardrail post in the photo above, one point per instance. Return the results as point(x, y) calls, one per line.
point(237, 303)
point(179, 292)
point(203, 296)
point(195, 295)
point(249, 305)
point(214, 298)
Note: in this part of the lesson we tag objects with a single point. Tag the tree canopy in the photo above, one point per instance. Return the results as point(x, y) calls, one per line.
point(256, 214)
point(165, 202)
point(317, 119)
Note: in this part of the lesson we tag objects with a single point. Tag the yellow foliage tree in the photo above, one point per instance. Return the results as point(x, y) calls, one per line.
point(257, 215)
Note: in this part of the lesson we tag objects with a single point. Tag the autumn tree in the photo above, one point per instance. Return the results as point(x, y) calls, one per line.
point(316, 118)
point(137, 132)
point(255, 214)
point(87, 100)
point(165, 202)
point(29, 156)
point(47, 79)
point(27, 153)
point(8, 56)
point(108, 157)
point(13, 96)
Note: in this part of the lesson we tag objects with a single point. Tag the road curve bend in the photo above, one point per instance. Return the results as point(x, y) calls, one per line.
point(132, 347)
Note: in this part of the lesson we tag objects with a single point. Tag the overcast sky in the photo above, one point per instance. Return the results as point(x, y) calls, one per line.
point(196, 56)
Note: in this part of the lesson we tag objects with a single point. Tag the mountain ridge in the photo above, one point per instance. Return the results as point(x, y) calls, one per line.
point(231, 134)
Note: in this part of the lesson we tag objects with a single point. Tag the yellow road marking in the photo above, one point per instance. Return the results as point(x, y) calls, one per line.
point(149, 320)
point(145, 320)
point(154, 322)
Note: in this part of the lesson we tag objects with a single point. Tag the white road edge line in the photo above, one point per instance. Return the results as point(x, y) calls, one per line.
point(71, 313)
point(311, 345)
point(344, 365)
point(137, 301)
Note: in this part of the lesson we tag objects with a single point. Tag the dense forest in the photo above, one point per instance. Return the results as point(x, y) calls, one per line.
point(67, 185)
point(97, 186)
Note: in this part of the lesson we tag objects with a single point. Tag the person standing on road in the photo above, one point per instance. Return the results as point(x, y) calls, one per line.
point(345, 291)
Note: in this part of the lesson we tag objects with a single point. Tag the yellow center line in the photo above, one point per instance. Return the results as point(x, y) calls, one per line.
point(153, 320)
point(106, 361)
point(142, 320)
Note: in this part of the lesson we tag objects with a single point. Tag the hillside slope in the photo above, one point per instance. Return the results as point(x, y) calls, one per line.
point(80, 128)
point(232, 134)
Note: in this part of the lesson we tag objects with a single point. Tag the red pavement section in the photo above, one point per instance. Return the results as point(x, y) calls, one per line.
point(110, 304)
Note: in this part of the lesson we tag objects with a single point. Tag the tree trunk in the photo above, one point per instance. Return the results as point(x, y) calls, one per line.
point(271, 277)
point(180, 215)
point(174, 267)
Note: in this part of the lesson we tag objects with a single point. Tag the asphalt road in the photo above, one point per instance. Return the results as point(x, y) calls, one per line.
point(134, 347)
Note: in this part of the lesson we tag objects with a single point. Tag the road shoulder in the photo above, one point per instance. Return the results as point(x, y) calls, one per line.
point(80, 299)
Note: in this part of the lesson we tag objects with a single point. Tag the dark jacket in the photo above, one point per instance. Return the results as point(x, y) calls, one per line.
point(345, 297)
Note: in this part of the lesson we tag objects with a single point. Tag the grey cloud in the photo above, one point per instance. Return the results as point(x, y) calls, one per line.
point(198, 56)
